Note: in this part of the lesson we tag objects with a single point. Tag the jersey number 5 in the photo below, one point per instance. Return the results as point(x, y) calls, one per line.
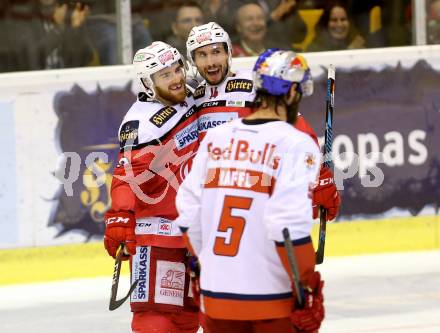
point(235, 223)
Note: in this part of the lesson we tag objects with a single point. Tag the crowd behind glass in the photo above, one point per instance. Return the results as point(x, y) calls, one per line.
point(45, 34)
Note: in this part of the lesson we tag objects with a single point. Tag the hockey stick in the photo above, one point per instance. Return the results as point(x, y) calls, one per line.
point(294, 267)
point(114, 303)
point(328, 137)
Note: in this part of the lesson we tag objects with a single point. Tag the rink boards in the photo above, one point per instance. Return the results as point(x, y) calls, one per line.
point(343, 239)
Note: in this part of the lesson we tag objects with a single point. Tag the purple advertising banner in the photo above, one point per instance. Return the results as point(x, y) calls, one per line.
point(390, 119)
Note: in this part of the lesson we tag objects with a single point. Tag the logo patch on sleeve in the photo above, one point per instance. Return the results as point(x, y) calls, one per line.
point(310, 160)
point(128, 136)
point(239, 85)
point(162, 116)
point(199, 92)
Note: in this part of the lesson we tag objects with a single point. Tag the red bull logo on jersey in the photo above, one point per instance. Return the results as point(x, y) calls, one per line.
point(241, 150)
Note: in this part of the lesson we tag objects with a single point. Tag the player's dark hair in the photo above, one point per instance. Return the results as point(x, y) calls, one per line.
point(266, 100)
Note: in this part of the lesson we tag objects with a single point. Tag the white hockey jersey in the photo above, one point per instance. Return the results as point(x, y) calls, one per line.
point(157, 144)
point(250, 179)
point(231, 99)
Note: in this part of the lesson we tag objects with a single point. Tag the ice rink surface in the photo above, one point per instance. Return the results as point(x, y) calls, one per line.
point(386, 293)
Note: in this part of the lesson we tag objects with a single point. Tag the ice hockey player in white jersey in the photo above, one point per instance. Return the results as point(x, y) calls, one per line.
point(158, 138)
point(250, 179)
point(225, 95)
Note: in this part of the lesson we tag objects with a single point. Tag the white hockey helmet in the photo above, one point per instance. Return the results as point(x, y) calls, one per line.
point(150, 60)
point(207, 34)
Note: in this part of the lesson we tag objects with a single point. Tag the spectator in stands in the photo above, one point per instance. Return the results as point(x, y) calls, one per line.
point(335, 30)
point(433, 28)
point(285, 26)
point(187, 16)
point(13, 18)
point(158, 14)
point(56, 37)
point(251, 27)
point(222, 12)
point(368, 17)
point(101, 27)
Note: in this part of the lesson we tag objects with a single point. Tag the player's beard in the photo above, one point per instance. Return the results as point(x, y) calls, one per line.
point(171, 96)
point(224, 69)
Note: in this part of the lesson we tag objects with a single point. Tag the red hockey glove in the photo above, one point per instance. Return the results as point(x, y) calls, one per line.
point(119, 229)
point(310, 317)
point(326, 195)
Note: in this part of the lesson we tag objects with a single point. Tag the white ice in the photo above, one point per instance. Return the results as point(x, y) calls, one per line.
point(385, 293)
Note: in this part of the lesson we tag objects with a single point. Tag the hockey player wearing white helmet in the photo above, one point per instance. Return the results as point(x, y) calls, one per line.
point(158, 137)
point(251, 179)
point(223, 95)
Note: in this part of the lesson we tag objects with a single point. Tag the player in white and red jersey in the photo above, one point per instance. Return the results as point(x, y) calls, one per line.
point(225, 95)
point(158, 137)
point(250, 179)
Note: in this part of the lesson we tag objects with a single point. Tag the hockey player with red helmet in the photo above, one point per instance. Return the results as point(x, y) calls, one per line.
point(250, 179)
point(158, 137)
point(225, 95)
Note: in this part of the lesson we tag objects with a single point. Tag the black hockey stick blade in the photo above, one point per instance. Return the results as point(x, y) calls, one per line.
point(294, 267)
point(322, 234)
point(328, 142)
point(114, 303)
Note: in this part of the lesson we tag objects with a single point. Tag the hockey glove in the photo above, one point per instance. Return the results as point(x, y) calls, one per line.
point(119, 229)
point(310, 316)
point(326, 195)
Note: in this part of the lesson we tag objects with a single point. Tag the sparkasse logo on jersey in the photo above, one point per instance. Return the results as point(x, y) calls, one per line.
point(239, 85)
point(142, 262)
point(162, 116)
